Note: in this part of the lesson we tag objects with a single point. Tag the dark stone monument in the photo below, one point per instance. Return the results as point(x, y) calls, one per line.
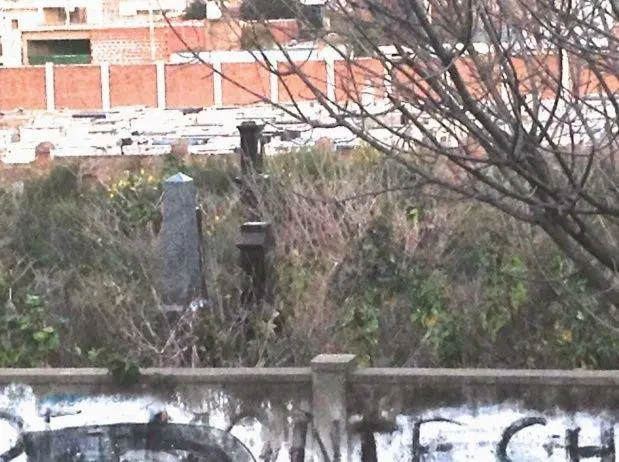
point(256, 241)
point(256, 244)
point(180, 243)
point(252, 162)
point(252, 152)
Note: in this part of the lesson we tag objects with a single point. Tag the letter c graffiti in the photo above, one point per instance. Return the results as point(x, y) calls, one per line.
point(510, 431)
point(417, 449)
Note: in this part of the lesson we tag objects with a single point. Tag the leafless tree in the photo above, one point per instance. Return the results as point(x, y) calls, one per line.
point(513, 103)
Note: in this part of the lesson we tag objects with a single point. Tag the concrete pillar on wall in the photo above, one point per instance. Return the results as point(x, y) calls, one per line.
point(274, 84)
point(330, 62)
point(566, 80)
point(218, 97)
point(12, 48)
point(330, 419)
point(106, 101)
point(388, 67)
point(24, 53)
point(161, 89)
point(50, 92)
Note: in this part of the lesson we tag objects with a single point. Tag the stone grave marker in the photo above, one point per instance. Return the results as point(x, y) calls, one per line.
point(180, 244)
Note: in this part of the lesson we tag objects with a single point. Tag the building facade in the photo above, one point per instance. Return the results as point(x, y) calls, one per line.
point(82, 31)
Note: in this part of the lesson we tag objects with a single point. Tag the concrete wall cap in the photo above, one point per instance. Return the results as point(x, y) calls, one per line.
point(334, 363)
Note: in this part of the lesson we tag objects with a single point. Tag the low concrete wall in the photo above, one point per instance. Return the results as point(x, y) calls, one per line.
point(593, 381)
point(151, 378)
point(346, 405)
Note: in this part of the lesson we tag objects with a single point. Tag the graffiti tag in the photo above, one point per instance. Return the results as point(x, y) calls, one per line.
point(574, 451)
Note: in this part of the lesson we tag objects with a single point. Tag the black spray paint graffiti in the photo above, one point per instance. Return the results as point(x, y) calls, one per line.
point(573, 451)
point(107, 443)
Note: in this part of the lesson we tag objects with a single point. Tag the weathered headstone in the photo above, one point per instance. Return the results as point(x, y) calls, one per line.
point(180, 243)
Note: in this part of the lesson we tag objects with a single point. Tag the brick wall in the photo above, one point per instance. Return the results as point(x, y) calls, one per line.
point(353, 79)
point(22, 88)
point(292, 87)
point(408, 84)
point(132, 45)
point(284, 30)
point(195, 85)
point(186, 37)
point(77, 87)
point(203, 36)
point(587, 82)
point(123, 45)
point(251, 76)
point(188, 85)
point(220, 35)
point(133, 85)
point(127, 45)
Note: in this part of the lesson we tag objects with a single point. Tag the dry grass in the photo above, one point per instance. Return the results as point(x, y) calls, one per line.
point(399, 277)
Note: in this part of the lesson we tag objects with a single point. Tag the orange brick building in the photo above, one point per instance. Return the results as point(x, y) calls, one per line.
point(141, 44)
point(113, 31)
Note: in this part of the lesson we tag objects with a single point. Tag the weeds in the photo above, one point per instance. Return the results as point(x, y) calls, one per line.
point(26, 338)
point(399, 278)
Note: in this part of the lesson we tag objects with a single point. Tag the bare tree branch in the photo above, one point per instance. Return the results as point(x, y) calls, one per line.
point(512, 103)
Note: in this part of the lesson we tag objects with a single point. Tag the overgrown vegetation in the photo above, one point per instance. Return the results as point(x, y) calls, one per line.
point(269, 9)
point(399, 278)
point(195, 10)
point(256, 36)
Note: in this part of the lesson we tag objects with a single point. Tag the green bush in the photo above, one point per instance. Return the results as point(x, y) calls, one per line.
point(26, 337)
point(135, 199)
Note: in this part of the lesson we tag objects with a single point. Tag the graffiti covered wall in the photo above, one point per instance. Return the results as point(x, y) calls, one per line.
point(67, 426)
point(205, 425)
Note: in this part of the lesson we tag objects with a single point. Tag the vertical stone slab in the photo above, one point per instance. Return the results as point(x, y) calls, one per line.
point(330, 417)
point(181, 278)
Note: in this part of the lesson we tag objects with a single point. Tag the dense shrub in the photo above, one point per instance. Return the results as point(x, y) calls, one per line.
point(195, 10)
point(397, 277)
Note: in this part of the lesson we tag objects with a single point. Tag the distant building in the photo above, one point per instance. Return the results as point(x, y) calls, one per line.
point(82, 31)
